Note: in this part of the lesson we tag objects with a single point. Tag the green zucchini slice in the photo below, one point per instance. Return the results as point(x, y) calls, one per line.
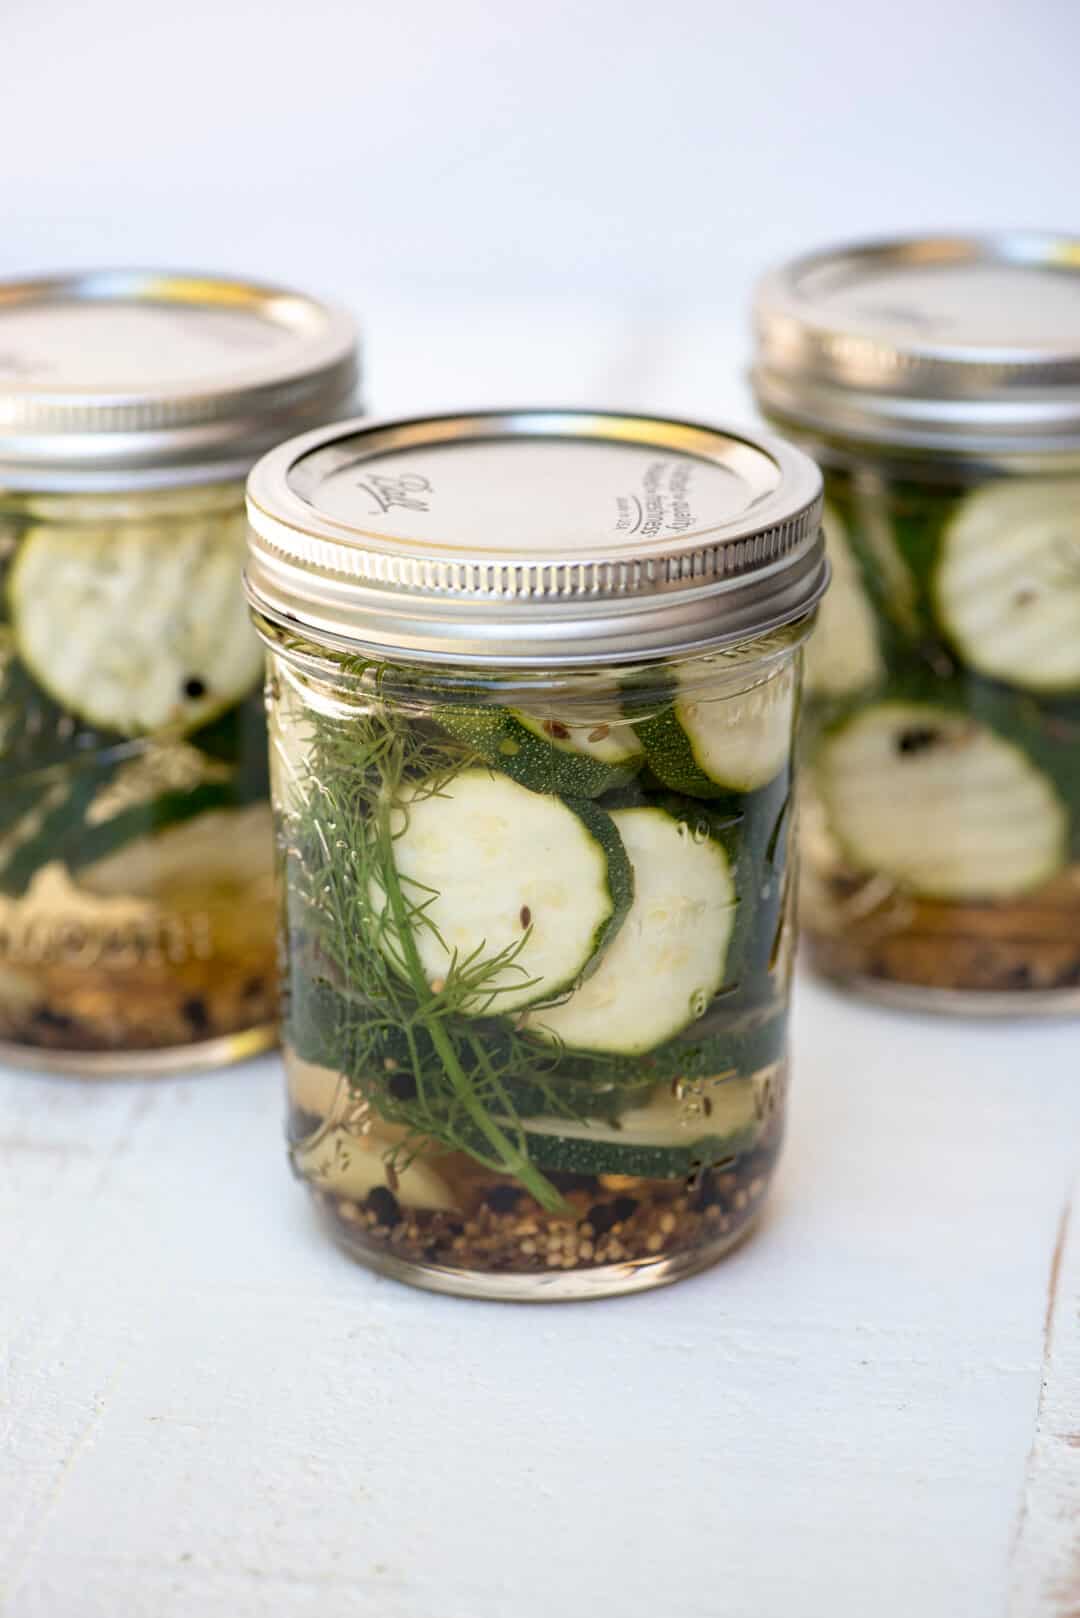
point(711, 747)
point(667, 961)
point(549, 755)
point(487, 867)
point(842, 655)
point(939, 802)
point(137, 628)
point(1007, 584)
point(666, 1138)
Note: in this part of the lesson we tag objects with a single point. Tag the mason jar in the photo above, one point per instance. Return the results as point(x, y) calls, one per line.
point(533, 679)
point(137, 913)
point(937, 382)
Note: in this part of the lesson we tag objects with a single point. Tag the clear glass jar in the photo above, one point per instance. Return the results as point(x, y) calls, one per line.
point(538, 928)
point(137, 908)
point(941, 818)
point(942, 807)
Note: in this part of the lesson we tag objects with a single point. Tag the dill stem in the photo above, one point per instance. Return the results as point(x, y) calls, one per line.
point(516, 1162)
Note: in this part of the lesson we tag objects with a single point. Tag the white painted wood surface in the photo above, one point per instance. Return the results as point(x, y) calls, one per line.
point(207, 1410)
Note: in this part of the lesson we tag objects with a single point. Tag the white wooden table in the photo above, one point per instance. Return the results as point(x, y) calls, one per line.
point(208, 1410)
point(871, 1408)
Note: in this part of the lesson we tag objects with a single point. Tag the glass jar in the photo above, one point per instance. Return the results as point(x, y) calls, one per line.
point(938, 385)
point(137, 910)
point(533, 684)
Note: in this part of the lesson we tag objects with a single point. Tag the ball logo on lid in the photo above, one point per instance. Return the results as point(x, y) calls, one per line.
point(401, 493)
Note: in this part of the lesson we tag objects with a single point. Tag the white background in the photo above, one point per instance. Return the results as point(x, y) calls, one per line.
point(645, 153)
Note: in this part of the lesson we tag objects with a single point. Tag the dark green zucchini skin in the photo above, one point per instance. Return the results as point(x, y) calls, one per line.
point(534, 761)
point(579, 1154)
point(720, 1043)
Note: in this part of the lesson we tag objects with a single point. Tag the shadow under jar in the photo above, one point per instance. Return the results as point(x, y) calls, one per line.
point(533, 683)
point(937, 383)
point(137, 912)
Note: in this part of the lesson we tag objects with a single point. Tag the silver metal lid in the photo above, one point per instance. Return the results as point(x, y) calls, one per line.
point(534, 538)
point(132, 378)
point(957, 343)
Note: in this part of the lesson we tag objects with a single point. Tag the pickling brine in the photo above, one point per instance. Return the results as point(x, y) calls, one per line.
point(537, 920)
point(536, 984)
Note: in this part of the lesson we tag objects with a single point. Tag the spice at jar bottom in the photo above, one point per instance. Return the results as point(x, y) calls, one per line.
point(941, 821)
point(137, 906)
point(538, 920)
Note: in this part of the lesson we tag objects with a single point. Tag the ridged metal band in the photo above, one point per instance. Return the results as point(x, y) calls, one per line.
point(567, 580)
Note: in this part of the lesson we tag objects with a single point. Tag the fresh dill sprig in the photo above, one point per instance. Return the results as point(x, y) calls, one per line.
point(435, 1057)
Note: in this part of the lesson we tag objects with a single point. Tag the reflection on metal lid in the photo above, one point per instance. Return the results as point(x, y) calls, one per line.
point(950, 342)
point(124, 378)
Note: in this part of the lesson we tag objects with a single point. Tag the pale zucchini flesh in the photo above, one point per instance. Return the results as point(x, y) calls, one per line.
point(488, 866)
point(1007, 583)
point(709, 746)
point(137, 628)
point(940, 803)
point(667, 961)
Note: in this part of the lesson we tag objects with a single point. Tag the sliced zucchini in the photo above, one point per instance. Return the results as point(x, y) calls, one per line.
point(710, 747)
point(1007, 585)
point(737, 1049)
point(842, 655)
point(939, 802)
point(664, 966)
point(549, 755)
point(666, 1138)
point(137, 628)
point(488, 867)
